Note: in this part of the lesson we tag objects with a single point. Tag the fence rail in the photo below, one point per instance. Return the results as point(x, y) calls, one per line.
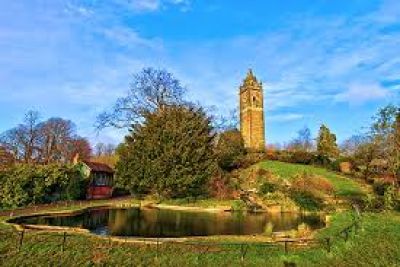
point(63, 242)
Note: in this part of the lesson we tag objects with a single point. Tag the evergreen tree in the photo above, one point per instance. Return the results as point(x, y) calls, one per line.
point(169, 154)
point(230, 149)
point(326, 143)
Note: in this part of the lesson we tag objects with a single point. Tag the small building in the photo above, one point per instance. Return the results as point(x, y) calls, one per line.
point(101, 177)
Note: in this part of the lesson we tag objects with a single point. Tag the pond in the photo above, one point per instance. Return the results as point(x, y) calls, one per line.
point(137, 222)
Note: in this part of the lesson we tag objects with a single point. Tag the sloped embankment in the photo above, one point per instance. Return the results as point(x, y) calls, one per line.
point(290, 186)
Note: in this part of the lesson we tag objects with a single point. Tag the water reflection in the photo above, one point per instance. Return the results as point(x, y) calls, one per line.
point(171, 223)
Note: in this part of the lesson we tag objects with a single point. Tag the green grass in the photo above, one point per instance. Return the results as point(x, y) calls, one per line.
point(343, 186)
point(377, 243)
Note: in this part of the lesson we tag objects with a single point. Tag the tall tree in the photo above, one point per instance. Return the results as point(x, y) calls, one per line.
point(170, 154)
point(326, 143)
point(150, 90)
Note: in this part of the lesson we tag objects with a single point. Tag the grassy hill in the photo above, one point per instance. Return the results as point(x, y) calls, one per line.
point(343, 186)
point(288, 186)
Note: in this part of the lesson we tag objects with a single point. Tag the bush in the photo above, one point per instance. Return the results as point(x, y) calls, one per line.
point(301, 157)
point(316, 185)
point(221, 185)
point(24, 184)
point(389, 198)
point(267, 187)
point(250, 159)
point(373, 203)
point(306, 200)
point(380, 186)
point(307, 191)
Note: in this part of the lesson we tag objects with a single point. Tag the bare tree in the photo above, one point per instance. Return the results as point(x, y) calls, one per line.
point(102, 149)
point(54, 140)
point(81, 146)
point(303, 141)
point(225, 123)
point(23, 140)
point(350, 146)
point(56, 136)
point(150, 89)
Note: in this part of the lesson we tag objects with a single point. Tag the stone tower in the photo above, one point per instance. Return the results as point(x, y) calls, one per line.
point(252, 112)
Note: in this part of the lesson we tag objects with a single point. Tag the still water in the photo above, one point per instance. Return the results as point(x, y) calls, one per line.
point(172, 223)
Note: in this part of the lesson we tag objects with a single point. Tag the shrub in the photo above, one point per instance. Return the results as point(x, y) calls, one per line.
point(301, 157)
point(221, 186)
point(306, 200)
point(389, 198)
point(316, 185)
point(308, 190)
point(267, 187)
point(24, 184)
point(251, 158)
point(380, 186)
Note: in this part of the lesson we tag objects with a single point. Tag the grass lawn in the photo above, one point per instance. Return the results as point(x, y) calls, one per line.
point(377, 243)
point(343, 186)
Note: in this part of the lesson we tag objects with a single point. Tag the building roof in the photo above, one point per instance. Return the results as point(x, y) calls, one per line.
point(99, 167)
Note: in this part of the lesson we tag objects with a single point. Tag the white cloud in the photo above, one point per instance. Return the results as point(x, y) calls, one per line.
point(285, 117)
point(145, 5)
point(130, 38)
point(359, 93)
point(79, 10)
point(154, 5)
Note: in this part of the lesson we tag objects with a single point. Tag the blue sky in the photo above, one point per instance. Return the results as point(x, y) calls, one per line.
point(321, 61)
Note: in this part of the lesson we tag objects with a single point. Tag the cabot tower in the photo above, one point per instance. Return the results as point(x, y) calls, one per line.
point(252, 112)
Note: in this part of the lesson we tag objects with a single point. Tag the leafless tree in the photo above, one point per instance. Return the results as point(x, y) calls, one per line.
point(23, 140)
point(102, 149)
point(223, 123)
point(303, 141)
point(150, 89)
point(56, 136)
point(54, 140)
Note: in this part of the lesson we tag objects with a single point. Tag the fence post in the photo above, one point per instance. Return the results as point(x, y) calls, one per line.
point(346, 235)
point(328, 244)
point(63, 242)
point(157, 247)
point(243, 251)
point(21, 238)
point(286, 247)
